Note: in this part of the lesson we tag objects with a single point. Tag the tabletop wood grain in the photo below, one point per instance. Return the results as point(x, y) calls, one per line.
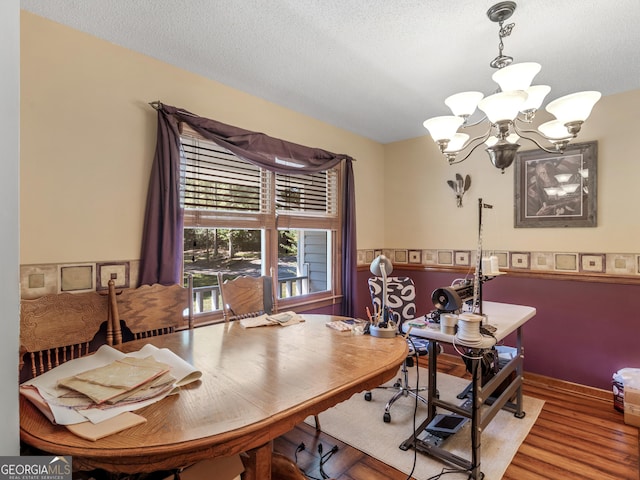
point(256, 384)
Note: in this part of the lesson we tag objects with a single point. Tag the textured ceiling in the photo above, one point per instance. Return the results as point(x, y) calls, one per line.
point(377, 68)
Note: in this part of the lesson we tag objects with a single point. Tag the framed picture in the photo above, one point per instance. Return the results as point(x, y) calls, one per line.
point(553, 190)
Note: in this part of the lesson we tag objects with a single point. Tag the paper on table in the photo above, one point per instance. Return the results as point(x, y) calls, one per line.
point(148, 390)
point(34, 396)
point(181, 369)
point(284, 319)
point(115, 379)
point(340, 325)
point(93, 432)
point(48, 389)
point(158, 386)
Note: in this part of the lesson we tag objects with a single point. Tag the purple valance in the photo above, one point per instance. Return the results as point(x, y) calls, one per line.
point(162, 241)
point(271, 153)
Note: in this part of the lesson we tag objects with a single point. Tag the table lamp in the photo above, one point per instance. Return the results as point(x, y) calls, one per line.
point(381, 267)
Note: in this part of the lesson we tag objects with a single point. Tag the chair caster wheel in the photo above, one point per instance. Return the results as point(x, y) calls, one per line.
point(386, 417)
point(367, 396)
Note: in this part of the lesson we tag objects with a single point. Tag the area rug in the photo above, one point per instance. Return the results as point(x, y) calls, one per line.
point(359, 423)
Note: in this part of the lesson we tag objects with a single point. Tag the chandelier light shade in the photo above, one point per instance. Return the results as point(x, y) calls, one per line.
point(507, 111)
point(463, 104)
point(443, 128)
point(575, 107)
point(457, 142)
point(517, 76)
point(503, 106)
point(554, 131)
point(535, 97)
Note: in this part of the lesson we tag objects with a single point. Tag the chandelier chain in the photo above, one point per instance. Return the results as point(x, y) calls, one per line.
point(502, 60)
point(505, 31)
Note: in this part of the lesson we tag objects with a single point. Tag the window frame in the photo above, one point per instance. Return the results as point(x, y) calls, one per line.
point(270, 221)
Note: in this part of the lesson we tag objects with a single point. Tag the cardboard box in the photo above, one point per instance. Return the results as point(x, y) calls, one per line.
point(221, 468)
point(632, 394)
point(626, 379)
point(632, 414)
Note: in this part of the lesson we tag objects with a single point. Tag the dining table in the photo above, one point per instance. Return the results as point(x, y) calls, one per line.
point(256, 384)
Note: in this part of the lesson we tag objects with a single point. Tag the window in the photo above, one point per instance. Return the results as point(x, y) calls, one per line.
point(241, 219)
point(303, 262)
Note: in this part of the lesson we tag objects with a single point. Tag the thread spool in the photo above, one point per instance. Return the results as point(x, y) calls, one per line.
point(495, 267)
point(486, 266)
point(469, 329)
point(448, 323)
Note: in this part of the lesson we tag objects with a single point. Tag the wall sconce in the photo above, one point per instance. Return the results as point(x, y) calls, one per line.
point(460, 186)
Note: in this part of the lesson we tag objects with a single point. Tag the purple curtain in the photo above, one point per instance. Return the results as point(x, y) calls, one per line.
point(162, 236)
point(349, 264)
point(162, 240)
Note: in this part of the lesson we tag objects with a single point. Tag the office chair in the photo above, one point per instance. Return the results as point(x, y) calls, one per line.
point(401, 295)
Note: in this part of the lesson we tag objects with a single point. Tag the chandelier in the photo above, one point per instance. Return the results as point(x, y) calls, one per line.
point(510, 111)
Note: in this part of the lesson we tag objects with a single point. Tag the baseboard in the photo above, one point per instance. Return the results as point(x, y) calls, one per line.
point(534, 379)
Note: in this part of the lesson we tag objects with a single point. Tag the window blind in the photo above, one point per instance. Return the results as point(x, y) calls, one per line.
point(220, 187)
point(216, 179)
point(313, 193)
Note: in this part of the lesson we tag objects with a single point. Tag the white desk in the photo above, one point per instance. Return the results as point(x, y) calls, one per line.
point(507, 319)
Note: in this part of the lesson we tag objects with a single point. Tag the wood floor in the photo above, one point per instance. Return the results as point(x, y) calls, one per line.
point(578, 435)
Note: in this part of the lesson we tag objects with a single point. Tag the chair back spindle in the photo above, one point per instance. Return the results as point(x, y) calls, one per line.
point(56, 328)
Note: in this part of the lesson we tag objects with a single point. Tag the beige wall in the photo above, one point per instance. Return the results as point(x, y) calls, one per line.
point(421, 212)
point(88, 137)
point(88, 134)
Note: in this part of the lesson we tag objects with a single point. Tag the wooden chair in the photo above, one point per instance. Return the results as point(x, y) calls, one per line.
point(245, 296)
point(56, 328)
point(150, 310)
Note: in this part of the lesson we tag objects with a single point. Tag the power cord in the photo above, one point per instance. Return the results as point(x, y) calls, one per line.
point(415, 407)
point(446, 471)
point(301, 447)
point(323, 457)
